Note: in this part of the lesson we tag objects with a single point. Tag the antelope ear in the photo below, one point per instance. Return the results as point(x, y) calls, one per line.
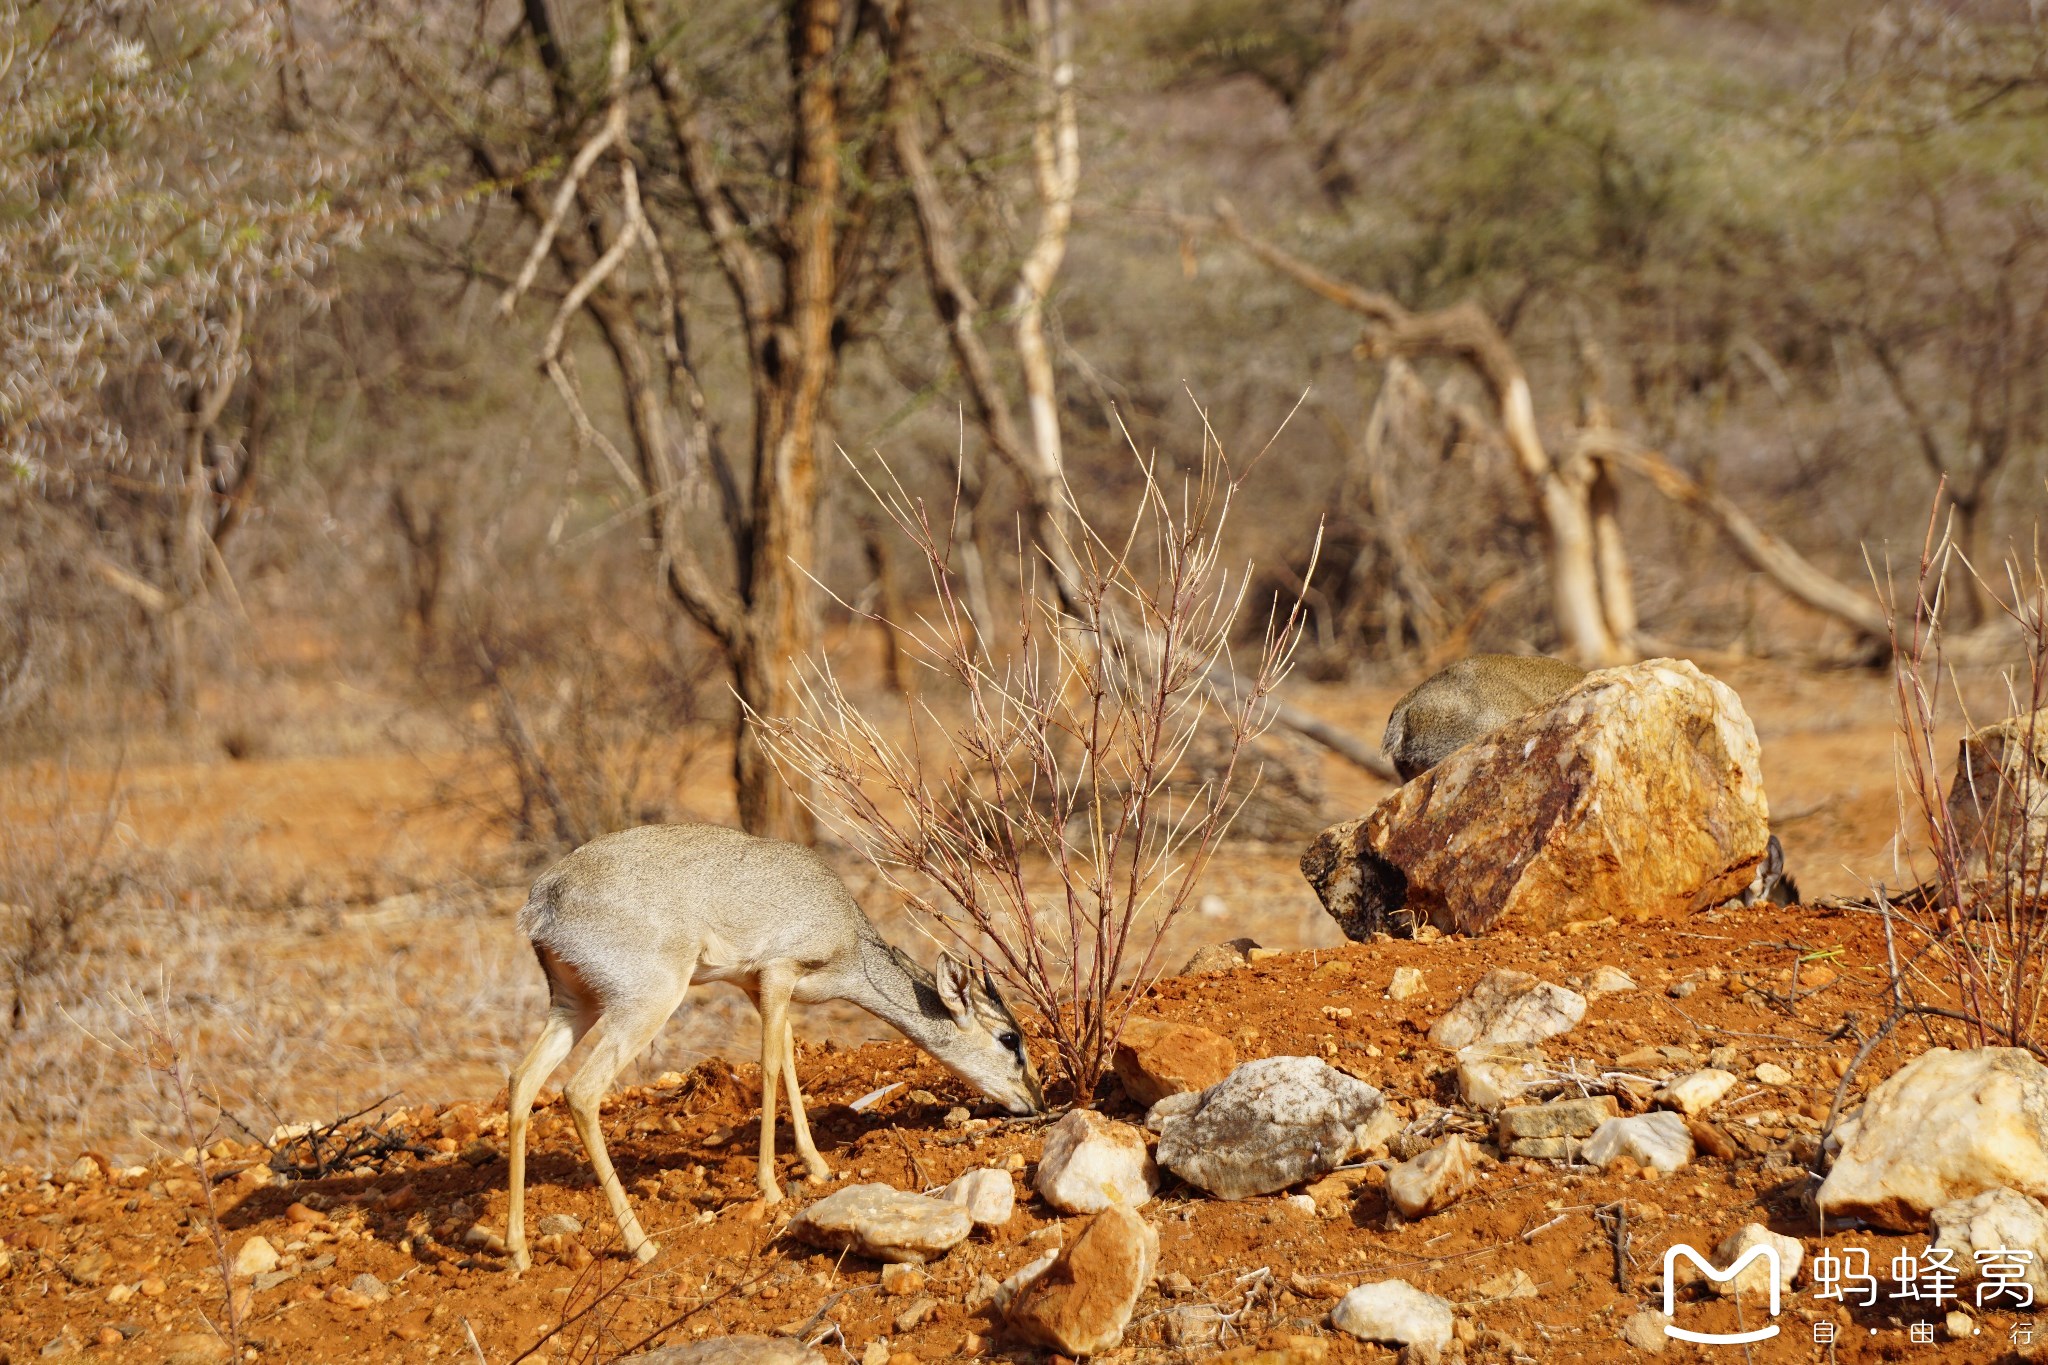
point(956, 988)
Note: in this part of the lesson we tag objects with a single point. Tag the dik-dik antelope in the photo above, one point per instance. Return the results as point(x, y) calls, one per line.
point(627, 923)
point(1476, 696)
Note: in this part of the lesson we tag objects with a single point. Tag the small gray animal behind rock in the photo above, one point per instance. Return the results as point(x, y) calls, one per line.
point(1476, 696)
point(1472, 698)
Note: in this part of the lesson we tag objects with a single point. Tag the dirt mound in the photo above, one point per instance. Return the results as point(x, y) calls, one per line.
point(397, 1256)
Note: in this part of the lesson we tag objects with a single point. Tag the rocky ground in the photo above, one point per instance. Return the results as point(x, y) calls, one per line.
point(398, 1254)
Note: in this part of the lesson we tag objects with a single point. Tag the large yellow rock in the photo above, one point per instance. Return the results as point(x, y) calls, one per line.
point(1638, 793)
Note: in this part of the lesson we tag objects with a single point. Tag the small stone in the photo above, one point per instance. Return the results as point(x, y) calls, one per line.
point(876, 1353)
point(1559, 1118)
point(255, 1257)
point(1511, 1284)
point(1081, 1300)
point(486, 1238)
point(1694, 1093)
point(1724, 1058)
point(1433, 1181)
point(301, 1217)
point(1656, 1058)
point(67, 1342)
point(1220, 957)
point(1156, 1057)
point(370, 1287)
point(1407, 984)
point(1998, 1225)
point(479, 1153)
point(915, 1313)
point(193, 1348)
point(348, 1298)
point(902, 1279)
point(1508, 1006)
point(989, 1196)
point(886, 1224)
point(1396, 1313)
point(1091, 1163)
point(1658, 1140)
point(1680, 990)
point(84, 1171)
point(272, 1279)
point(1545, 1149)
point(1755, 1278)
point(559, 1225)
point(1609, 981)
point(1301, 1203)
point(1645, 1331)
point(1491, 1074)
point(1270, 1124)
point(1770, 1073)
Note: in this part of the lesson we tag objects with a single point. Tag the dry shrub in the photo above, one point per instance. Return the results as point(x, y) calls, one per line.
point(593, 730)
point(57, 878)
point(1049, 811)
point(1976, 845)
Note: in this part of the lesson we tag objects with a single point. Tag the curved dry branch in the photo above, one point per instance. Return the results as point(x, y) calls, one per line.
point(1785, 566)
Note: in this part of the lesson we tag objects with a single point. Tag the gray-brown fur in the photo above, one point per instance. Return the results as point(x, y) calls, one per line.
point(1472, 698)
point(628, 922)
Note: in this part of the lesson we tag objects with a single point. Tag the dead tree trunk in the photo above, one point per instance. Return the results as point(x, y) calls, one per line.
point(1562, 493)
point(788, 279)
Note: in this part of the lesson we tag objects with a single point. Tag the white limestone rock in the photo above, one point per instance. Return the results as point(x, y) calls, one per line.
point(1507, 1006)
point(1396, 1313)
point(1660, 1140)
point(1269, 1124)
point(1435, 1180)
point(884, 1223)
point(1091, 1162)
point(1694, 1093)
point(1945, 1126)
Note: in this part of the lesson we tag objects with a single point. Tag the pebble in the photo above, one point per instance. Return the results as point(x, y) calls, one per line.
point(1645, 1331)
point(902, 1279)
point(256, 1257)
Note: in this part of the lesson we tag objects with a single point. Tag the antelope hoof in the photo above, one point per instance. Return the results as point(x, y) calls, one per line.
point(771, 1193)
point(820, 1174)
point(646, 1252)
point(521, 1262)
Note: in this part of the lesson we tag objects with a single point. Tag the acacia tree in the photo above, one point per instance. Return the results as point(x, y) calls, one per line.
point(163, 194)
point(674, 137)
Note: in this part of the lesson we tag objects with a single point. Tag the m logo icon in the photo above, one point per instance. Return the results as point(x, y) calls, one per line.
point(1767, 1254)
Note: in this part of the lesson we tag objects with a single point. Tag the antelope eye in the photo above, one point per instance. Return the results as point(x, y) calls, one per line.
point(1009, 1040)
